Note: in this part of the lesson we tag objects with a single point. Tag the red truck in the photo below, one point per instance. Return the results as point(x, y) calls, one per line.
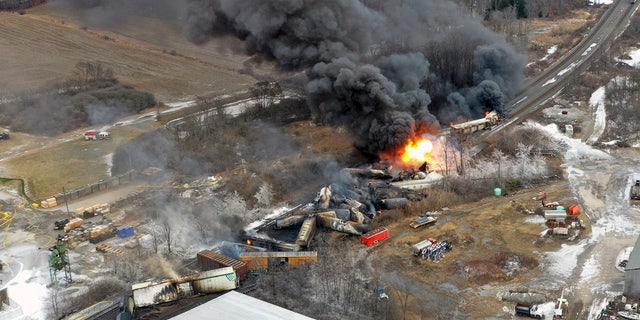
point(374, 236)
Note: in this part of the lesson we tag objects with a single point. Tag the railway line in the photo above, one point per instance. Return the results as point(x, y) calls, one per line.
point(559, 75)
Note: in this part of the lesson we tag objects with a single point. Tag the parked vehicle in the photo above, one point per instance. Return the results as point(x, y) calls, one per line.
point(104, 135)
point(530, 310)
point(4, 136)
point(374, 236)
point(91, 135)
point(381, 294)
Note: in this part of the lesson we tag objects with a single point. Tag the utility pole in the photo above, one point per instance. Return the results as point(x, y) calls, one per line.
point(64, 194)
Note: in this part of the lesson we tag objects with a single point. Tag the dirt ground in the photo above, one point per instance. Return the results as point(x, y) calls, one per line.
point(479, 232)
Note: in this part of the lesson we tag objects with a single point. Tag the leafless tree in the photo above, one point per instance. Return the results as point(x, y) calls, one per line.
point(266, 92)
point(87, 72)
point(166, 233)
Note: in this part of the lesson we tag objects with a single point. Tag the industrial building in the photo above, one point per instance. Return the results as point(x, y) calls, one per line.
point(632, 273)
point(237, 306)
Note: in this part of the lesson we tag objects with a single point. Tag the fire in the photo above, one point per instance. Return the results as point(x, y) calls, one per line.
point(486, 113)
point(248, 241)
point(417, 151)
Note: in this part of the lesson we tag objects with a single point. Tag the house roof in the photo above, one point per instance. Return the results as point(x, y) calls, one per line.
point(237, 306)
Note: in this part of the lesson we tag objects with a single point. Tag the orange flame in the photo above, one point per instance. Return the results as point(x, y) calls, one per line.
point(249, 241)
point(417, 151)
point(486, 113)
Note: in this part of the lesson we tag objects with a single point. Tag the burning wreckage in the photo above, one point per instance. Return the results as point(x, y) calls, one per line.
point(349, 206)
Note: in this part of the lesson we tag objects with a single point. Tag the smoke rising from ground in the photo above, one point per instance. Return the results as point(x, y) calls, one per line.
point(365, 60)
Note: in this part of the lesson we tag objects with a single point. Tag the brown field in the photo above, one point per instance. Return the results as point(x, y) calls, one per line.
point(41, 48)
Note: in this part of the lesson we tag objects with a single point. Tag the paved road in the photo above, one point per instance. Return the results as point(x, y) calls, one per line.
point(553, 80)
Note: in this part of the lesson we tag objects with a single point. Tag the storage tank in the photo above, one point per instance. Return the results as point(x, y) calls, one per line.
point(217, 280)
point(557, 215)
point(290, 221)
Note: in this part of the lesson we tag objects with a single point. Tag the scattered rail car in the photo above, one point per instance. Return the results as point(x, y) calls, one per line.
point(270, 244)
point(260, 262)
point(423, 221)
point(490, 119)
point(168, 290)
point(209, 260)
point(307, 231)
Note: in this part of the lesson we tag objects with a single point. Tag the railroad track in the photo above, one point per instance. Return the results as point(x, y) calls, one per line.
point(553, 80)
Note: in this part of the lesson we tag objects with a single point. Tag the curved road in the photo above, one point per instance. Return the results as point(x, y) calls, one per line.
point(559, 75)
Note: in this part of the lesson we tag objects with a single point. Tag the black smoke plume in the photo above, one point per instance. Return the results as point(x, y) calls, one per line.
point(365, 60)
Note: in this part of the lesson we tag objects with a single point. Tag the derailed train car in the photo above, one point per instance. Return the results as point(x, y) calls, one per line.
point(169, 290)
point(307, 231)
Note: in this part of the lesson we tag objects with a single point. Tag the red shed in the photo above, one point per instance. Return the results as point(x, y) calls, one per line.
point(374, 236)
point(574, 210)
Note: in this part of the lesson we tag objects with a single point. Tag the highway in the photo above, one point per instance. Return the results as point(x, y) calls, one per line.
point(558, 76)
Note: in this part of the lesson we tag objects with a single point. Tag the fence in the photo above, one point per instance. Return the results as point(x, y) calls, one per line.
point(87, 190)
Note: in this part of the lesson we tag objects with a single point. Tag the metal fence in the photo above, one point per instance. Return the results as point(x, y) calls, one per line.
point(87, 190)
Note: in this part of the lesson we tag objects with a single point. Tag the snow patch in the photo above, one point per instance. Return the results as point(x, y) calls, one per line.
point(635, 58)
point(550, 51)
point(597, 102)
point(550, 81)
point(590, 270)
point(561, 263)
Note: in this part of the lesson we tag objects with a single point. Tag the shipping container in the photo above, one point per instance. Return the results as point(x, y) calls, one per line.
point(374, 236)
point(263, 261)
point(307, 231)
point(151, 293)
point(127, 231)
point(217, 280)
point(209, 260)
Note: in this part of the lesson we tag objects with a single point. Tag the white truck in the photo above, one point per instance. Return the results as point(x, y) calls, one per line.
point(529, 310)
point(418, 247)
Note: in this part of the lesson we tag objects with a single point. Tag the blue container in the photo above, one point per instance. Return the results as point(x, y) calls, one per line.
point(559, 208)
point(124, 232)
point(497, 192)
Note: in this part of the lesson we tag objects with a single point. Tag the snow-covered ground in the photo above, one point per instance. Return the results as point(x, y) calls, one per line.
point(601, 181)
point(635, 58)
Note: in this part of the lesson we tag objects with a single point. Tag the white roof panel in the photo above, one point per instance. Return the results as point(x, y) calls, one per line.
point(237, 306)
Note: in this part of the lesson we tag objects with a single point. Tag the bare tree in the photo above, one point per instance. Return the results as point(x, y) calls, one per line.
point(266, 92)
point(166, 233)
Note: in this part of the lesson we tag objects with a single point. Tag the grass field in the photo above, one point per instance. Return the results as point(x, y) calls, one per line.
point(69, 164)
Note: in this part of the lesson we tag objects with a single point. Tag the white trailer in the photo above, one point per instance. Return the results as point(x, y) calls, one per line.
point(417, 248)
